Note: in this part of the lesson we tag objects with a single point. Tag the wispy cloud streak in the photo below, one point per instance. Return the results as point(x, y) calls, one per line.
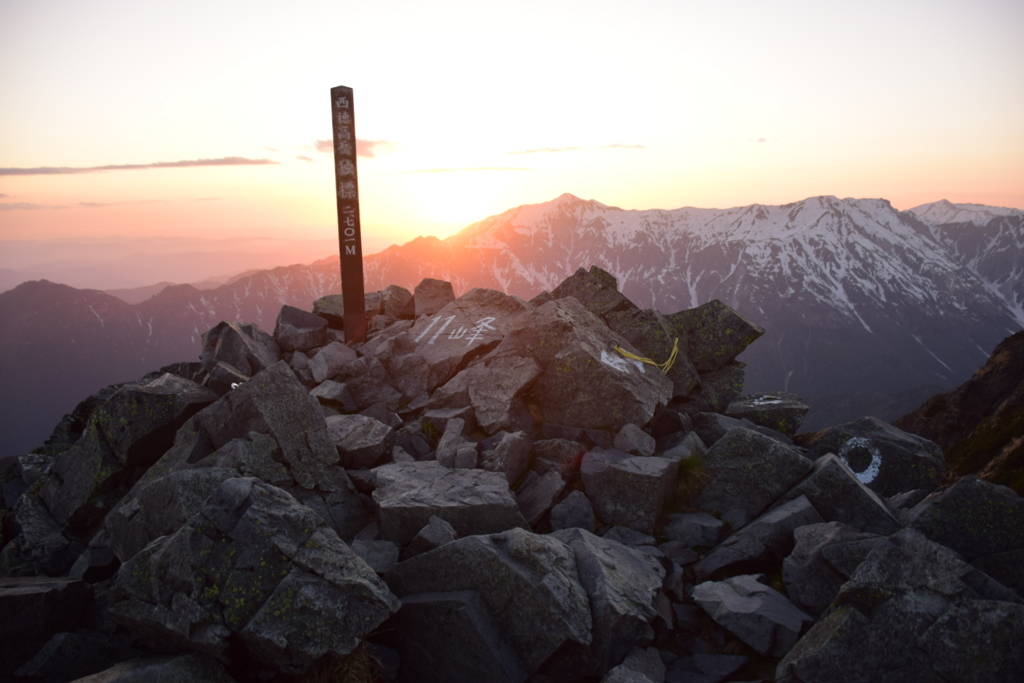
point(555, 150)
point(473, 168)
point(67, 170)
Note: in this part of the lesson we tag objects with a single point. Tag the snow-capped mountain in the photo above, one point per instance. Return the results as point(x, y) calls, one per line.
point(858, 299)
point(945, 211)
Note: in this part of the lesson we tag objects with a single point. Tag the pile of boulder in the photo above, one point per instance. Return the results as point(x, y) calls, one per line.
point(493, 489)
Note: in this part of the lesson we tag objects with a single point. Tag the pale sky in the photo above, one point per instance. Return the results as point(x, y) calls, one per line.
point(472, 108)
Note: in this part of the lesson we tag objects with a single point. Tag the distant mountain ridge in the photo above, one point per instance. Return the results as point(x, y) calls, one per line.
point(868, 310)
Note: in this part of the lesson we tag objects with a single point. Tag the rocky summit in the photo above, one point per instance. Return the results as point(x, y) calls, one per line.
point(491, 489)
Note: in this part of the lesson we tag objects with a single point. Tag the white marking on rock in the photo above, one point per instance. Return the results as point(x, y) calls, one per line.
point(620, 363)
point(868, 474)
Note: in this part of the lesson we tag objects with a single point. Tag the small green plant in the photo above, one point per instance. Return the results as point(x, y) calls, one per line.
point(693, 476)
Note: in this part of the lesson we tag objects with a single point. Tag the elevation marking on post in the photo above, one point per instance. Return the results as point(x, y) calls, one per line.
point(349, 237)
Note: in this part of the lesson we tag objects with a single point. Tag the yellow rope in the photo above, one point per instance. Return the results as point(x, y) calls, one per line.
point(664, 367)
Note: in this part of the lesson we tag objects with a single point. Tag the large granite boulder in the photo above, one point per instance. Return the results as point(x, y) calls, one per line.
point(748, 471)
point(472, 501)
point(256, 576)
point(584, 382)
point(715, 334)
point(233, 352)
point(650, 333)
point(361, 440)
point(32, 609)
point(887, 460)
point(596, 289)
point(462, 330)
point(431, 295)
point(912, 611)
point(39, 545)
point(125, 435)
point(628, 490)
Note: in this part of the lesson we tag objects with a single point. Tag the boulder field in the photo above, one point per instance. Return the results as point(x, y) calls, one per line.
point(493, 489)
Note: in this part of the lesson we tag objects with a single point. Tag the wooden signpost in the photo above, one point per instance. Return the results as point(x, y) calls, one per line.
point(349, 238)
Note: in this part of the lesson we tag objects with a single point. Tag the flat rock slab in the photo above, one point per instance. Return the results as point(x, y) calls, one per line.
point(756, 614)
point(885, 459)
point(472, 501)
point(626, 489)
point(748, 471)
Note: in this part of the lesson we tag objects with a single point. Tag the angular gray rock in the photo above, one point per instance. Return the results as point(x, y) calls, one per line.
point(39, 546)
point(299, 330)
point(428, 624)
point(622, 585)
point(584, 382)
point(435, 534)
point(626, 489)
point(824, 557)
point(887, 460)
point(463, 329)
point(32, 609)
point(979, 520)
point(243, 347)
point(715, 334)
point(639, 666)
point(756, 614)
point(694, 529)
point(654, 338)
point(528, 583)
point(574, 511)
point(537, 495)
point(361, 441)
point(838, 496)
point(494, 387)
point(596, 289)
point(397, 302)
point(781, 411)
point(912, 609)
point(760, 546)
point(329, 361)
point(510, 456)
point(633, 440)
point(259, 572)
point(748, 470)
point(558, 455)
point(472, 501)
point(431, 295)
point(125, 435)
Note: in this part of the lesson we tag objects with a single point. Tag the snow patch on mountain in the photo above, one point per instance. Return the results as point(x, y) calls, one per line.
point(944, 211)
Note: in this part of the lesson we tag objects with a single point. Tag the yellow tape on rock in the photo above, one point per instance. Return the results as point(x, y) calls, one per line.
point(664, 367)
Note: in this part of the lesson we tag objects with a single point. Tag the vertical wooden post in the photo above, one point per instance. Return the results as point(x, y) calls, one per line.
point(349, 238)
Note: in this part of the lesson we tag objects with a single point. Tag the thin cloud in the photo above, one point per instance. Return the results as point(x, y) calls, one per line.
point(24, 206)
point(303, 157)
point(556, 150)
point(66, 170)
point(368, 149)
point(473, 168)
point(4, 196)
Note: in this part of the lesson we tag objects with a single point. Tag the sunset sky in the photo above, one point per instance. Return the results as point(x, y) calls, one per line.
point(466, 109)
